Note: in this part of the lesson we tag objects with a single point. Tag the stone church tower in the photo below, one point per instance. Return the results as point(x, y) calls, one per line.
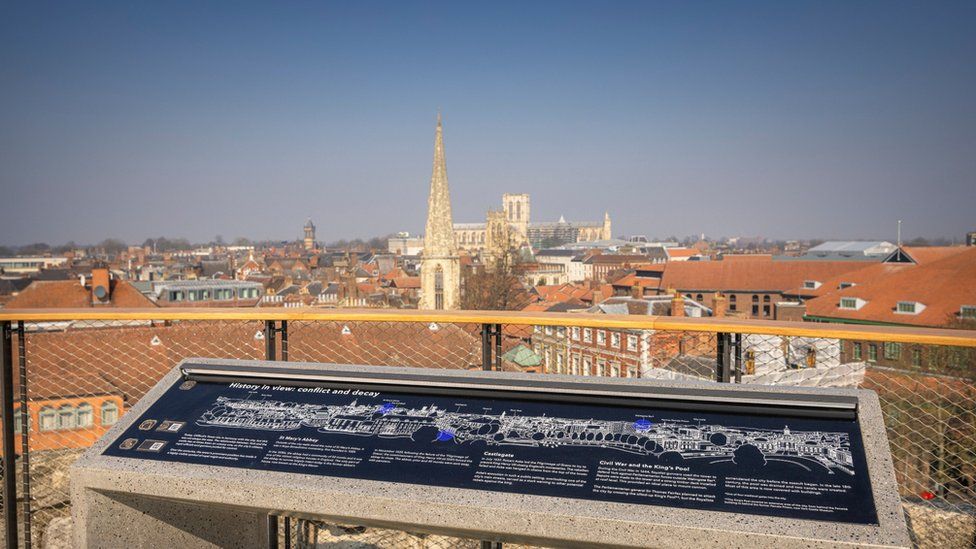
point(440, 269)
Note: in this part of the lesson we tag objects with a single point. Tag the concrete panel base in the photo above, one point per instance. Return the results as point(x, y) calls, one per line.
point(112, 519)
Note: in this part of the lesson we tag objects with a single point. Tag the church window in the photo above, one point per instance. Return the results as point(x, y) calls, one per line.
point(439, 288)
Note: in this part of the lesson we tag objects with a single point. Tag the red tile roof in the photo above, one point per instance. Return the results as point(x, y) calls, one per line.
point(943, 282)
point(69, 294)
point(752, 275)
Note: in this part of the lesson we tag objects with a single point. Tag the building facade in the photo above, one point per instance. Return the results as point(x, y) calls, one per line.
point(516, 210)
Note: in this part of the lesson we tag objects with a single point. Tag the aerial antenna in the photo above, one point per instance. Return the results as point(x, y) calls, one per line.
point(899, 233)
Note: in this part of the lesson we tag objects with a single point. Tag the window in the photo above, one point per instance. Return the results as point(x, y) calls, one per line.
point(561, 331)
point(631, 343)
point(601, 337)
point(587, 335)
point(574, 361)
point(548, 330)
point(848, 303)
point(967, 311)
point(698, 298)
point(811, 284)
point(48, 418)
point(438, 287)
point(17, 420)
point(559, 364)
point(86, 415)
point(856, 351)
point(872, 352)
point(909, 307)
point(614, 369)
point(576, 331)
point(177, 296)
point(587, 364)
point(67, 417)
point(632, 371)
point(917, 358)
point(615, 340)
point(892, 351)
point(843, 285)
point(732, 302)
point(110, 413)
point(538, 329)
point(601, 367)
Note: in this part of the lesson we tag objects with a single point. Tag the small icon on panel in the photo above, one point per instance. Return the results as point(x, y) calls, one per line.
point(151, 445)
point(171, 426)
point(147, 425)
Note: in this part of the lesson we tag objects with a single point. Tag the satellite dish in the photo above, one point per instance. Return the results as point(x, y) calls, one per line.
point(100, 292)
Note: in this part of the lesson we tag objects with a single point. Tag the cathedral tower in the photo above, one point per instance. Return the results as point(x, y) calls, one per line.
point(309, 241)
point(516, 208)
point(440, 269)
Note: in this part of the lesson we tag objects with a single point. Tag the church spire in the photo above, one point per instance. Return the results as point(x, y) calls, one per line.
point(440, 269)
point(439, 236)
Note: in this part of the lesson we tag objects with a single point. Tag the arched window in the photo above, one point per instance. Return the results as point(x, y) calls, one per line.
point(86, 415)
point(765, 299)
point(698, 298)
point(438, 288)
point(732, 302)
point(48, 418)
point(110, 413)
point(67, 417)
point(755, 298)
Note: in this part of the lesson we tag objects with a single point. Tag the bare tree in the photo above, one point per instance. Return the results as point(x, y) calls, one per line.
point(498, 288)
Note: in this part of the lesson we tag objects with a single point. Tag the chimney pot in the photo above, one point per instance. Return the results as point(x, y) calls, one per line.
point(677, 305)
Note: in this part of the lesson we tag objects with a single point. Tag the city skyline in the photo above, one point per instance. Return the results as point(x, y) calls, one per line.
point(826, 121)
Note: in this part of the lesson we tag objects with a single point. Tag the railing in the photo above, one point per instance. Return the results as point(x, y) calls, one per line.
point(67, 375)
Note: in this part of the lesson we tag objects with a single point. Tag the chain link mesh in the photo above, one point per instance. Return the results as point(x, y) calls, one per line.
point(82, 376)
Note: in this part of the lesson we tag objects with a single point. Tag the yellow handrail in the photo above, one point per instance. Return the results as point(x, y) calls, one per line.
point(925, 336)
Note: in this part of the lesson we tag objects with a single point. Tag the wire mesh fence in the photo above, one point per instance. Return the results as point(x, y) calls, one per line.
point(79, 378)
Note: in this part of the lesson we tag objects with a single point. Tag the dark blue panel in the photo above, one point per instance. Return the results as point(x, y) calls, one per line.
point(790, 467)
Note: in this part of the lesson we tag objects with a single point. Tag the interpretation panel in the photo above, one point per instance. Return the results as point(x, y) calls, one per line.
point(797, 467)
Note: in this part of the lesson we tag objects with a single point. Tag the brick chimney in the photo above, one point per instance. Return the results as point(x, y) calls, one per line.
point(101, 284)
point(719, 305)
point(677, 305)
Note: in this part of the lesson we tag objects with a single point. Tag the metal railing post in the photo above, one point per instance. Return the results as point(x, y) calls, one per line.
point(7, 413)
point(24, 434)
point(498, 347)
point(269, 340)
point(723, 359)
point(486, 347)
point(738, 358)
point(284, 354)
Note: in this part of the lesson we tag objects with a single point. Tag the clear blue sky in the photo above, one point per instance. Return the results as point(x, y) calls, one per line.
point(782, 119)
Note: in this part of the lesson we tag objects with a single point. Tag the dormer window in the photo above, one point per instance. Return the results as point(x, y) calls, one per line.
point(843, 285)
point(811, 284)
point(909, 307)
point(852, 303)
point(967, 312)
